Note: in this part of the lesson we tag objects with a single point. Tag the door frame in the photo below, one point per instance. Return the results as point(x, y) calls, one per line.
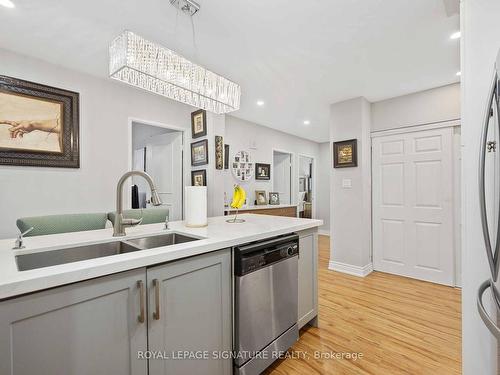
point(313, 208)
point(185, 169)
point(293, 198)
point(456, 176)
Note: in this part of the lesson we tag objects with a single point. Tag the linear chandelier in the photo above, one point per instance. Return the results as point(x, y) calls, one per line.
point(150, 66)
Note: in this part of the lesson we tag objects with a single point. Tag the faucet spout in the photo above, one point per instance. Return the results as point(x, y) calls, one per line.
point(120, 222)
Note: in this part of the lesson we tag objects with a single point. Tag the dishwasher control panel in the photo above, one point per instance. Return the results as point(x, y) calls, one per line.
point(254, 256)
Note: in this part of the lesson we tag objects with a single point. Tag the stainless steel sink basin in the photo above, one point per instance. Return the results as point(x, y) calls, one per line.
point(161, 240)
point(72, 254)
point(76, 254)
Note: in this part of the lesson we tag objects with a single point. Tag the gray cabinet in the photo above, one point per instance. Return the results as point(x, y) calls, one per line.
point(308, 278)
point(86, 328)
point(190, 314)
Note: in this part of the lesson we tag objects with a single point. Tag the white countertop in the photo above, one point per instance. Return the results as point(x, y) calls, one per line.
point(217, 235)
point(262, 207)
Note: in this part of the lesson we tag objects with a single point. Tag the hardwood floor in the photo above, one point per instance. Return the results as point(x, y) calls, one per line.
point(399, 325)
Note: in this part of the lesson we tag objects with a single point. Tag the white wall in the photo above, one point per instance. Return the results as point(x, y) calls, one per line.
point(424, 107)
point(480, 43)
point(105, 107)
point(323, 170)
point(260, 142)
point(350, 213)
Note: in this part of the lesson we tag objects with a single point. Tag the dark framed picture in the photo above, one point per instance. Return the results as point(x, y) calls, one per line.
point(39, 125)
point(199, 153)
point(274, 198)
point(262, 171)
point(219, 152)
point(345, 154)
point(199, 178)
point(260, 197)
point(226, 156)
point(199, 123)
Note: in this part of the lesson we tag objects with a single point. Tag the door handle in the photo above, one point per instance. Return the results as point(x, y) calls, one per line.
point(491, 251)
point(156, 313)
point(142, 315)
point(492, 327)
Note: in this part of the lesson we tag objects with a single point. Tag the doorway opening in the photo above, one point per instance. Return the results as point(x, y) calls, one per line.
point(282, 176)
point(157, 149)
point(306, 175)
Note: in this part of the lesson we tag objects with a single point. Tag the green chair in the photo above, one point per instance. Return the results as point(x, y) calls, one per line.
point(148, 215)
point(54, 224)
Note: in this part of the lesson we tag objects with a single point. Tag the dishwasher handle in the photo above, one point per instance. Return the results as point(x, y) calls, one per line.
point(272, 243)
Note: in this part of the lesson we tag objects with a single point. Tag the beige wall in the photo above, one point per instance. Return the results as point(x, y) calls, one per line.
point(424, 107)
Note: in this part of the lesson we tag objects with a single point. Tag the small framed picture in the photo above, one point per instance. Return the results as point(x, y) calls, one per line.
point(345, 154)
point(260, 197)
point(219, 152)
point(263, 171)
point(199, 178)
point(199, 153)
point(226, 156)
point(198, 124)
point(274, 198)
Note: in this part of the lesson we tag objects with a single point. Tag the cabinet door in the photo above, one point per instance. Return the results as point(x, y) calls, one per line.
point(85, 328)
point(308, 283)
point(190, 313)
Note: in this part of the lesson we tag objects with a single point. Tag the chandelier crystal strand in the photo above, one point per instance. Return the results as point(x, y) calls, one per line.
point(152, 67)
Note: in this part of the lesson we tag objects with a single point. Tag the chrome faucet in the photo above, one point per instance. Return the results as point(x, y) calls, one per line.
point(20, 239)
point(120, 222)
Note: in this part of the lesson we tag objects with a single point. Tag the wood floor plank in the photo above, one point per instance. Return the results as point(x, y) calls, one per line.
point(400, 325)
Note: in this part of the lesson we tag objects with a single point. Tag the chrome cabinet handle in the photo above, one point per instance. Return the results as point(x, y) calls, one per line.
point(492, 327)
point(142, 315)
point(492, 253)
point(156, 313)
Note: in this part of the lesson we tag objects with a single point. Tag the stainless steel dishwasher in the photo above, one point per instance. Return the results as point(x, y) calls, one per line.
point(266, 298)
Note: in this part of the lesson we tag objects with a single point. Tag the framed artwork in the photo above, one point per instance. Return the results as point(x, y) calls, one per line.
point(39, 125)
point(262, 171)
point(345, 154)
point(242, 166)
point(260, 197)
point(199, 153)
point(199, 178)
point(219, 152)
point(226, 156)
point(274, 198)
point(198, 123)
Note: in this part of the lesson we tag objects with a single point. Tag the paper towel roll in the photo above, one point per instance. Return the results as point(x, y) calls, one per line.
point(195, 198)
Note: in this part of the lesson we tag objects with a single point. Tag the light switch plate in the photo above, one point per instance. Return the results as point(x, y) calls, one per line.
point(346, 183)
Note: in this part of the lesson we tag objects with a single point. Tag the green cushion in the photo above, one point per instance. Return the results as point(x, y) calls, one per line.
point(149, 215)
point(53, 224)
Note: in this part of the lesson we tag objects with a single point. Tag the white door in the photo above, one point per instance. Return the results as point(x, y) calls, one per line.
point(282, 174)
point(413, 205)
point(164, 165)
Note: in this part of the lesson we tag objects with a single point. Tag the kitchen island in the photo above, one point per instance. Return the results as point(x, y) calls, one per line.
point(110, 314)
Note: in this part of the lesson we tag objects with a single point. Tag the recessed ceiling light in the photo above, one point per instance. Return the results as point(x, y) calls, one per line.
point(455, 35)
point(260, 103)
point(307, 122)
point(7, 3)
point(458, 74)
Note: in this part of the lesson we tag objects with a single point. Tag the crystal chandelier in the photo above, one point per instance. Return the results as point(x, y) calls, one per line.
point(150, 66)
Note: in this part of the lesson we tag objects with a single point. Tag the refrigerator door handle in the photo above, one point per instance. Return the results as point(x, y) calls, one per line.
point(492, 327)
point(491, 252)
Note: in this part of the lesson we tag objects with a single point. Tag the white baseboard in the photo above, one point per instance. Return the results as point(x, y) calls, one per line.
point(350, 269)
point(324, 232)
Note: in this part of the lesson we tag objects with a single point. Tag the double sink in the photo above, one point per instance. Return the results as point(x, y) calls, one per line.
point(75, 254)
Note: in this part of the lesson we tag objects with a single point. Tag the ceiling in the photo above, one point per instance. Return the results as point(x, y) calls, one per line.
point(296, 56)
